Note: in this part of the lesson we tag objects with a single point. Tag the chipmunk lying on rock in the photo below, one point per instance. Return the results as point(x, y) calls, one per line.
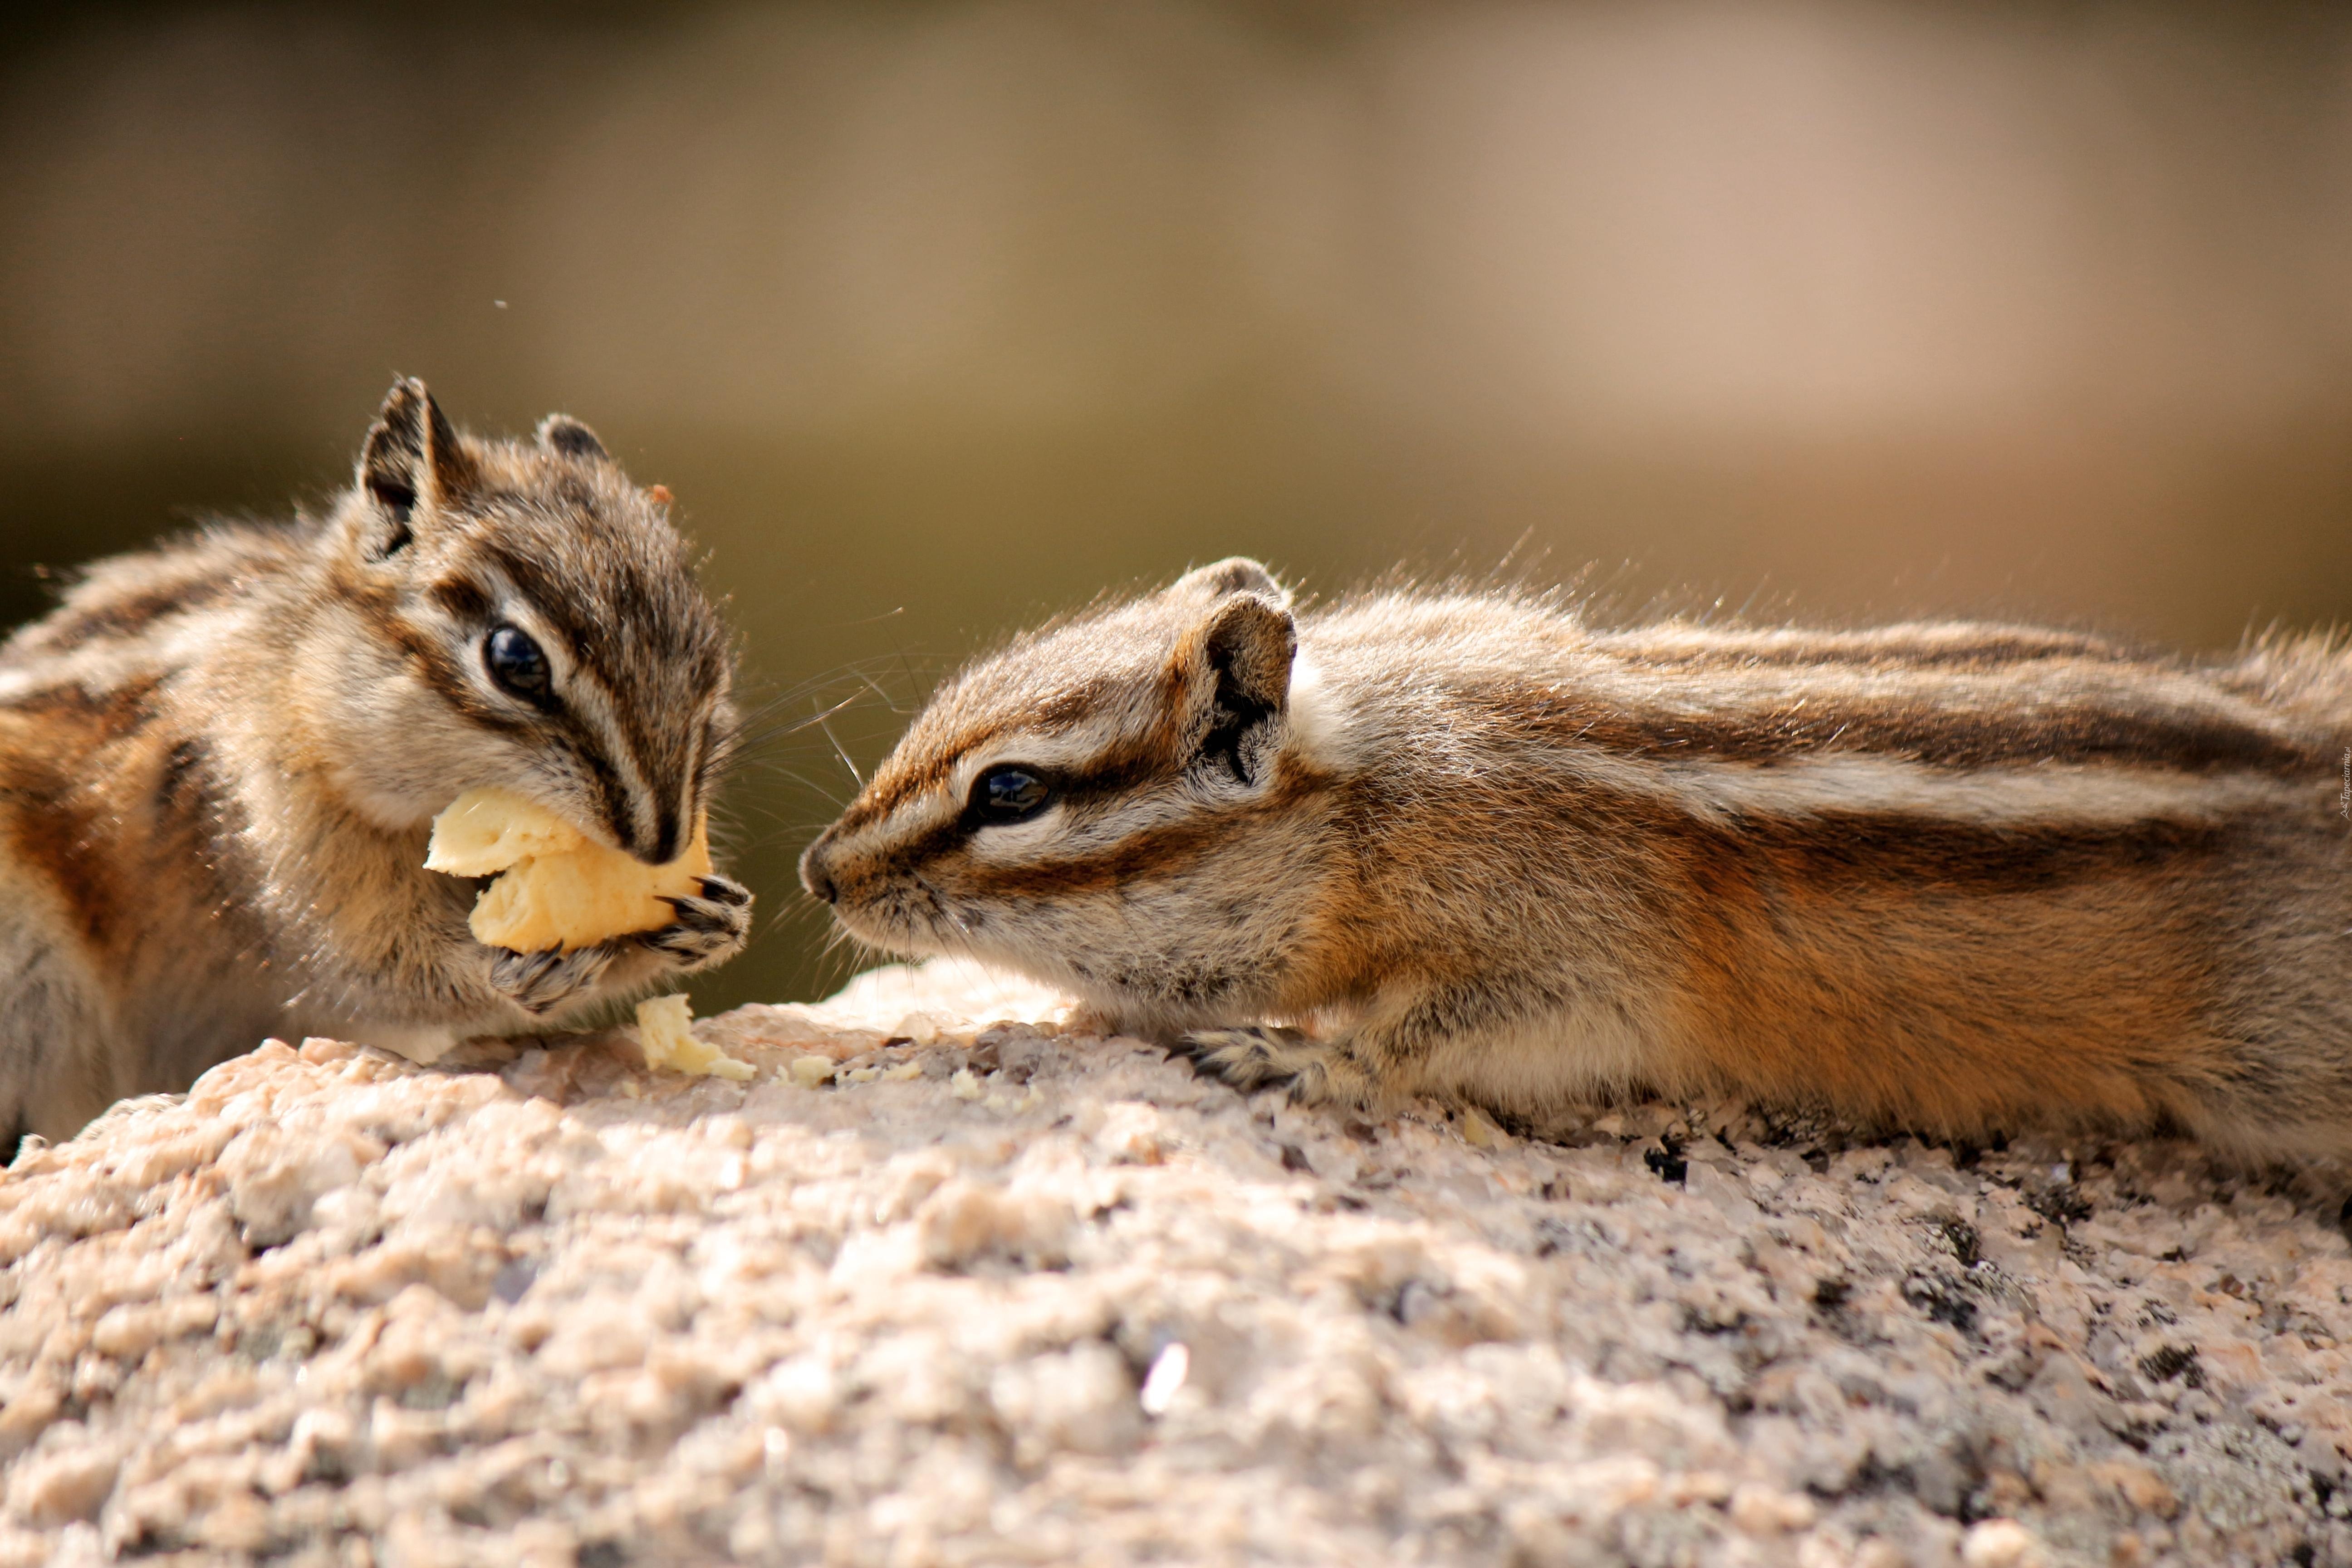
point(220, 760)
point(1958, 878)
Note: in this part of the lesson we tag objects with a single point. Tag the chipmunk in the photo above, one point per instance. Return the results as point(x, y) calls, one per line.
point(220, 760)
point(1962, 879)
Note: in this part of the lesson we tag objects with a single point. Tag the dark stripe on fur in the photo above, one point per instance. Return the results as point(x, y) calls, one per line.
point(563, 609)
point(56, 833)
point(462, 597)
point(611, 795)
point(182, 784)
point(107, 714)
point(430, 663)
point(1155, 853)
point(128, 615)
point(1930, 856)
point(1904, 731)
point(895, 786)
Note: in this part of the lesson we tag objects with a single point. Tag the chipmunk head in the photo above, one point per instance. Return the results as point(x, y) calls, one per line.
point(525, 617)
point(1108, 803)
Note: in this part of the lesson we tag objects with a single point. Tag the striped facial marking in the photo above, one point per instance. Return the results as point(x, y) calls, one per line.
point(646, 773)
point(924, 860)
point(1094, 787)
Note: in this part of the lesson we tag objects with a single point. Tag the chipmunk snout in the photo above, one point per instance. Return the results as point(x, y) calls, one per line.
point(815, 876)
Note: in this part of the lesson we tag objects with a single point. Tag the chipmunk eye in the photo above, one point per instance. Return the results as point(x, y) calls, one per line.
point(1006, 795)
point(517, 665)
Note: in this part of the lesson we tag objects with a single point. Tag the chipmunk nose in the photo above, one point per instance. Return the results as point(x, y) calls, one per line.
point(814, 874)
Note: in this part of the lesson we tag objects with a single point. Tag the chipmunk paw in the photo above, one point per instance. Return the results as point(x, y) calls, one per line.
point(709, 929)
point(542, 982)
point(1317, 1071)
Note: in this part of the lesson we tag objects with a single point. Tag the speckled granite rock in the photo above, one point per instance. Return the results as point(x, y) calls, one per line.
point(1003, 1293)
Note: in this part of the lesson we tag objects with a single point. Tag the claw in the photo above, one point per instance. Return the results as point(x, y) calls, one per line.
point(726, 890)
point(697, 914)
point(1249, 1057)
point(1315, 1072)
point(708, 930)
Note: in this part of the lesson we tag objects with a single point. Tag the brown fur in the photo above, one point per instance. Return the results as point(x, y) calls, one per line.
point(219, 763)
point(1957, 878)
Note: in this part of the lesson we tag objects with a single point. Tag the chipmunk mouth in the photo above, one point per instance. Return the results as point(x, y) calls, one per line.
point(908, 918)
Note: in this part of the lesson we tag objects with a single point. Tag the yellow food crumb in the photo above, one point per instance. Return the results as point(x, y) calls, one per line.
point(963, 1086)
point(810, 1073)
point(556, 888)
point(667, 1042)
point(1481, 1133)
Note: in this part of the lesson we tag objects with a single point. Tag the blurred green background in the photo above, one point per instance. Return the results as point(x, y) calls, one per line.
point(941, 317)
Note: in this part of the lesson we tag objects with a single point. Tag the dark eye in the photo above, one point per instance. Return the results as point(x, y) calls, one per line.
point(1009, 795)
point(517, 666)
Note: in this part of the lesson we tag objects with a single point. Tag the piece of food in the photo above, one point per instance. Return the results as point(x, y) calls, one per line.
point(663, 1034)
point(556, 888)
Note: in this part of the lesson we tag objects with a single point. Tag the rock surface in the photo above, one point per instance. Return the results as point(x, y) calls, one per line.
point(934, 1288)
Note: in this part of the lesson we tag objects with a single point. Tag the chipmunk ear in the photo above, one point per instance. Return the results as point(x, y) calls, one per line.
point(412, 463)
point(564, 434)
point(1234, 574)
point(1250, 643)
point(1243, 654)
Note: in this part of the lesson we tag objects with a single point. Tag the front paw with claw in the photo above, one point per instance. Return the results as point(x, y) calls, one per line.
point(541, 982)
point(1317, 1071)
point(709, 929)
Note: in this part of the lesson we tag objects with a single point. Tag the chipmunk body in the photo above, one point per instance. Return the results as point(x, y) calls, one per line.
point(220, 760)
point(1959, 877)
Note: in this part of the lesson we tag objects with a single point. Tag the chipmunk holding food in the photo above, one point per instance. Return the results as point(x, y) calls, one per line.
point(220, 760)
point(1958, 878)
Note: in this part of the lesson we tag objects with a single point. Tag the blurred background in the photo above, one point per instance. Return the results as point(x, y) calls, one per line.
point(941, 317)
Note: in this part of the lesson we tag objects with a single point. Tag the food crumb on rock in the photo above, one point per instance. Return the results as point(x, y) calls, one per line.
point(665, 1035)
